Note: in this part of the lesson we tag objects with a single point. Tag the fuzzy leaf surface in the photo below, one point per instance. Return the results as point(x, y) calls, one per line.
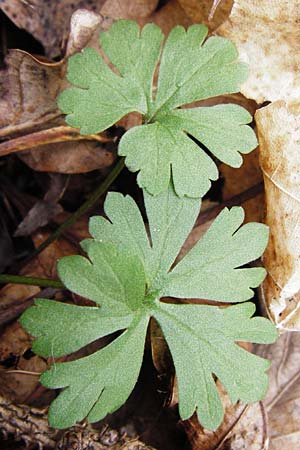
point(128, 277)
point(211, 269)
point(100, 383)
point(202, 343)
point(190, 70)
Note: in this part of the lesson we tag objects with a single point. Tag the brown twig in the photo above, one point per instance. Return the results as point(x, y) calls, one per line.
point(52, 135)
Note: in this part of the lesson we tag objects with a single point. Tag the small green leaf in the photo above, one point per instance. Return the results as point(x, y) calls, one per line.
point(128, 277)
point(190, 70)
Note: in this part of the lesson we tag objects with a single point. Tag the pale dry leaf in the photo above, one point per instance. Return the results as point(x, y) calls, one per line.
point(83, 25)
point(243, 427)
point(47, 20)
point(207, 11)
point(283, 399)
point(279, 136)
point(267, 36)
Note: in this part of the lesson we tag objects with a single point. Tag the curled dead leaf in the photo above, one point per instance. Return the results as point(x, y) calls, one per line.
point(29, 89)
point(267, 37)
point(31, 121)
point(83, 25)
point(279, 136)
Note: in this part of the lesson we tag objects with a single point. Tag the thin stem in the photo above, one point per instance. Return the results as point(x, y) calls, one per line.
point(80, 211)
point(31, 281)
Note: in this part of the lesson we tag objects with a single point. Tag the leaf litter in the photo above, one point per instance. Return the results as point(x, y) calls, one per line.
point(174, 14)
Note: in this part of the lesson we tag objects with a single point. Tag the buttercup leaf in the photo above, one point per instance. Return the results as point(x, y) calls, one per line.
point(202, 342)
point(128, 277)
point(210, 269)
point(99, 383)
point(50, 339)
point(190, 70)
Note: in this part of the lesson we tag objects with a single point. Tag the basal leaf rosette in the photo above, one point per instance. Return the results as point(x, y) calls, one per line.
point(192, 68)
point(127, 273)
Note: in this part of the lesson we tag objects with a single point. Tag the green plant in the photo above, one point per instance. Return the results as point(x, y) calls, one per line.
point(128, 273)
point(188, 72)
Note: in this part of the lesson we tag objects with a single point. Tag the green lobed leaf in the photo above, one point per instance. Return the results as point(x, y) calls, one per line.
point(202, 343)
point(114, 279)
point(125, 226)
point(128, 277)
point(190, 70)
point(210, 270)
point(48, 320)
point(100, 383)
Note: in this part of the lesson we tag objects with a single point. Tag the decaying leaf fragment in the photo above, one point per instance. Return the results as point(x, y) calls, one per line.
point(210, 12)
point(231, 433)
point(282, 403)
point(267, 36)
point(28, 91)
point(46, 20)
point(128, 9)
point(279, 134)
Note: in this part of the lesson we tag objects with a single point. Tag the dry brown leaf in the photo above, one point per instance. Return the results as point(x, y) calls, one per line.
point(28, 90)
point(128, 9)
point(15, 298)
point(243, 428)
point(17, 384)
point(267, 36)
point(15, 341)
point(47, 20)
point(43, 211)
point(201, 11)
point(238, 180)
point(170, 15)
point(69, 157)
point(283, 399)
point(279, 135)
